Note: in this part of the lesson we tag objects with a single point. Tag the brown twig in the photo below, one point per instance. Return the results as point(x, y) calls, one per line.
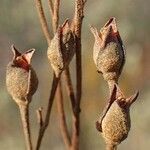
point(50, 4)
point(24, 111)
point(54, 10)
point(79, 5)
point(78, 16)
point(46, 32)
point(76, 124)
point(48, 112)
point(69, 87)
point(43, 21)
point(55, 16)
point(62, 117)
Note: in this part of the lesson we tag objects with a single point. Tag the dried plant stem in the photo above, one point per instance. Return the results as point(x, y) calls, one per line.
point(55, 16)
point(76, 129)
point(69, 87)
point(48, 112)
point(79, 5)
point(62, 117)
point(43, 21)
point(111, 147)
point(78, 16)
point(24, 111)
point(50, 4)
point(75, 118)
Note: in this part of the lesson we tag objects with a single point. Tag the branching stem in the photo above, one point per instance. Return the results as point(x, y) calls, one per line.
point(48, 112)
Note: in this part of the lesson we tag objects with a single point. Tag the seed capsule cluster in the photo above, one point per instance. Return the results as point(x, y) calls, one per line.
point(109, 58)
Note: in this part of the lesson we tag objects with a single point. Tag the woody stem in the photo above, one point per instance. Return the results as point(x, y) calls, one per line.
point(48, 112)
point(24, 111)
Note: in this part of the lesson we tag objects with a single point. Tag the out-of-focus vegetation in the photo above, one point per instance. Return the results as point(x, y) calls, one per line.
point(19, 25)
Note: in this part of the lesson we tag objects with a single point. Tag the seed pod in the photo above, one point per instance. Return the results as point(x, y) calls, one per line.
point(21, 79)
point(108, 54)
point(62, 48)
point(115, 121)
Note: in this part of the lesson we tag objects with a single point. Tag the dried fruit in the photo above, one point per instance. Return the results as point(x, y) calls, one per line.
point(108, 54)
point(115, 121)
point(62, 48)
point(21, 79)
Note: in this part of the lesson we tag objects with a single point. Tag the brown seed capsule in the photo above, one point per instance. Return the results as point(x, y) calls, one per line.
point(115, 121)
point(21, 79)
point(108, 54)
point(62, 48)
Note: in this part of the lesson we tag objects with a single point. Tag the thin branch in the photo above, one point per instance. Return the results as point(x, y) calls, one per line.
point(55, 17)
point(62, 117)
point(78, 17)
point(75, 130)
point(79, 6)
point(50, 4)
point(69, 87)
point(43, 21)
point(24, 111)
point(48, 112)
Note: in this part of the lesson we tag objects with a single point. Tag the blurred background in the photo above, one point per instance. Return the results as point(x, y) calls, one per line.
point(19, 25)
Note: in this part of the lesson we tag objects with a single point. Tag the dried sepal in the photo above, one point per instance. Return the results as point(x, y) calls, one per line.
point(115, 120)
point(15, 52)
point(108, 51)
point(62, 48)
point(28, 55)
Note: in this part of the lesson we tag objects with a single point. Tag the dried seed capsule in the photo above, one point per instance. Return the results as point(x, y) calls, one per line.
point(108, 54)
point(62, 48)
point(21, 79)
point(115, 122)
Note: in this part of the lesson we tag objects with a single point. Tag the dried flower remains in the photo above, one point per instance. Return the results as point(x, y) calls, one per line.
point(62, 48)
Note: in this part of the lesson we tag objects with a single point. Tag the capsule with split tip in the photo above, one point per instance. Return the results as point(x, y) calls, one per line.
point(115, 122)
point(62, 48)
point(21, 79)
point(108, 51)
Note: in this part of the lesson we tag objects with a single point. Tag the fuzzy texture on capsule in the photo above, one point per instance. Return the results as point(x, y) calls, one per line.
point(115, 122)
point(21, 79)
point(62, 48)
point(108, 53)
